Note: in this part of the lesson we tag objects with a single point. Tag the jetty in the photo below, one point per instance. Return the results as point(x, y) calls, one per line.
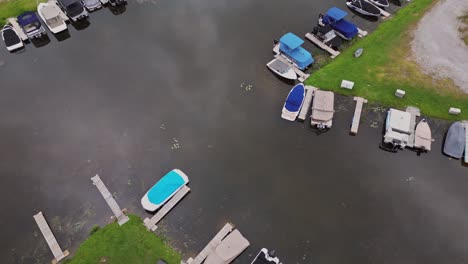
point(228, 228)
point(119, 215)
point(307, 101)
point(322, 45)
point(415, 112)
point(60, 11)
point(357, 114)
point(302, 75)
point(14, 23)
point(50, 238)
point(466, 140)
point(151, 223)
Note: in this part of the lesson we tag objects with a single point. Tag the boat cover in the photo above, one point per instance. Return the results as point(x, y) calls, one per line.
point(290, 45)
point(295, 98)
point(322, 107)
point(455, 140)
point(27, 18)
point(231, 247)
point(423, 136)
point(336, 14)
point(10, 36)
point(398, 121)
point(165, 187)
point(291, 40)
point(346, 28)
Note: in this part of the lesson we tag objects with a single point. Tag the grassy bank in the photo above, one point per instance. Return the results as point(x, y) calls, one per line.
point(385, 67)
point(130, 243)
point(13, 8)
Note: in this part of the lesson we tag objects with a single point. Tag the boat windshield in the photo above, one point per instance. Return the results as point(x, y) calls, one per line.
point(75, 9)
point(32, 26)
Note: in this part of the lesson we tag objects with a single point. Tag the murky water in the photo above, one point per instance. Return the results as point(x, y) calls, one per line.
point(183, 84)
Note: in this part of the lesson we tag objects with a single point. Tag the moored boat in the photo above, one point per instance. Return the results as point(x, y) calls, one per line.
point(265, 257)
point(31, 25)
point(293, 103)
point(282, 69)
point(289, 46)
point(363, 7)
point(397, 130)
point(335, 18)
point(164, 189)
point(11, 38)
point(423, 136)
point(51, 15)
point(322, 109)
point(228, 250)
point(327, 35)
point(455, 141)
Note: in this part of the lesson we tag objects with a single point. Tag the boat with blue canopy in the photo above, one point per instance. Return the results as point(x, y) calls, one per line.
point(294, 102)
point(164, 189)
point(31, 25)
point(290, 47)
point(335, 18)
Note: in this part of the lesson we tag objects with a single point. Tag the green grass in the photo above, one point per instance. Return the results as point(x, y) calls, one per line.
point(385, 67)
point(130, 243)
point(13, 8)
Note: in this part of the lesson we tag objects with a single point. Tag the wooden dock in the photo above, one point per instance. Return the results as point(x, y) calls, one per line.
point(415, 112)
point(322, 45)
point(151, 223)
point(119, 215)
point(307, 101)
point(362, 33)
point(466, 140)
point(302, 76)
point(357, 114)
point(212, 245)
point(50, 238)
point(14, 23)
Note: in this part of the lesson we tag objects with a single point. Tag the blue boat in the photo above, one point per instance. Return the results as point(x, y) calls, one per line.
point(164, 189)
point(290, 46)
point(335, 18)
point(31, 25)
point(293, 103)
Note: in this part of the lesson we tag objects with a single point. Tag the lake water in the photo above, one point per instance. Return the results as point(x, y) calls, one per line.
point(183, 84)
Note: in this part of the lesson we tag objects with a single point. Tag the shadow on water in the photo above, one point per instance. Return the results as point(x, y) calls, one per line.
point(64, 35)
point(368, 18)
point(41, 42)
point(82, 24)
point(117, 10)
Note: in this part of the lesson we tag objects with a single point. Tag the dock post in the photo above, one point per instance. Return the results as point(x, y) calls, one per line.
point(357, 114)
point(50, 238)
point(151, 223)
point(120, 216)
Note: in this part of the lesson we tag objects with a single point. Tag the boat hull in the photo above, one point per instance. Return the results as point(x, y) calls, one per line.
point(423, 136)
point(288, 74)
point(293, 103)
point(54, 30)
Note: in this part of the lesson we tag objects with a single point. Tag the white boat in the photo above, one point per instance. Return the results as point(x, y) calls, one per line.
point(228, 250)
point(11, 38)
point(164, 189)
point(282, 69)
point(265, 257)
point(397, 130)
point(322, 109)
point(364, 7)
point(50, 14)
point(292, 105)
point(381, 3)
point(423, 136)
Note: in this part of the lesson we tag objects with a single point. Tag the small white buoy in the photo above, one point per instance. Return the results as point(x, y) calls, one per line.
point(347, 84)
point(400, 93)
point(454, 111)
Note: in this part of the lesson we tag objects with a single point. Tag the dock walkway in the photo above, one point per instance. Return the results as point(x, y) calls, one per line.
point(121, 217)
point(322, 45)
point(14, 23)
point(307, 101)
point(415, 112)
point(302, 75)
point(357, 114)
point(151, 223)
point(50, 238)
point(212, 245)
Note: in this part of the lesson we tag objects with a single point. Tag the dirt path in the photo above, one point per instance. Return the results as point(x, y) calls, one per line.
point(437, 45)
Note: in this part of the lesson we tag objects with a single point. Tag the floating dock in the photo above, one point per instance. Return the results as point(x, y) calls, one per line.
point(50, 238)
point(14, 23)
point(151, 223)
point(322, 45)
point(415, 112)
point(307, 101)
point(466, 140)
point(357, 114)
point(212, 245)
point(119, 215)
point(61, 13)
